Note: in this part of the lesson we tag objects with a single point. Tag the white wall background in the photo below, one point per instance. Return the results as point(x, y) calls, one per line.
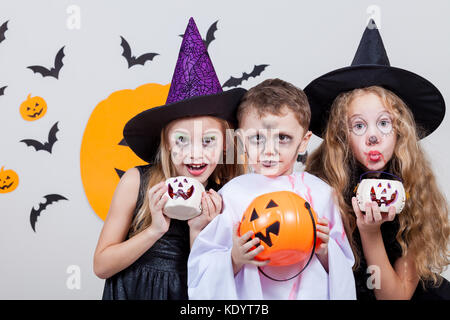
point(300, 40)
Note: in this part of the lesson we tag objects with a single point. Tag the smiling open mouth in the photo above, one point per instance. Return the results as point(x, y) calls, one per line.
point(383, 199)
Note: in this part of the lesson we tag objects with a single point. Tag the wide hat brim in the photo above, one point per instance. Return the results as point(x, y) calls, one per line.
point(420, 95)
point(142, 133)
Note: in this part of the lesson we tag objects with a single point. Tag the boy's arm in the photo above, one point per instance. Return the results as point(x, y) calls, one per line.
point(210, 270)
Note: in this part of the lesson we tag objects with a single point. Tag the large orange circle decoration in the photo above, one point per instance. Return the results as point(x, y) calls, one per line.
point(284, 222)
point(104, 155)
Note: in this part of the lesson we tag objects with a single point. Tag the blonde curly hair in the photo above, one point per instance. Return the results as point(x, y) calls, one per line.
point(424, 226)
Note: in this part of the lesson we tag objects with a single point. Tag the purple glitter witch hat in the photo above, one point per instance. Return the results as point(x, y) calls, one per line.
point(195, 91)
point(194, 73)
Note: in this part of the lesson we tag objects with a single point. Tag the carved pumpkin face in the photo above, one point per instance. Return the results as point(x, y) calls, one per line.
point(281, 220)
point(9, 180)
point(33, 108)
point(104, 155)
point(385, 193)
point(180, 187)
point(185, 198)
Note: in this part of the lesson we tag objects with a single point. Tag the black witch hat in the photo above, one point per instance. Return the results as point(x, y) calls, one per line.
point(371, 67)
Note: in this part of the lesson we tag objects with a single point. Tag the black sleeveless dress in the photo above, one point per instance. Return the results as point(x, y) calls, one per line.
point(161, 272)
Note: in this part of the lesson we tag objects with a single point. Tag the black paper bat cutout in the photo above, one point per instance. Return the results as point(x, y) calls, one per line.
point(132, 60)
point(3, 29)
point(52, 72)
point(34, 214)
point(47, 146)
point(209, 35)
point(234, 82)
point(2, 90)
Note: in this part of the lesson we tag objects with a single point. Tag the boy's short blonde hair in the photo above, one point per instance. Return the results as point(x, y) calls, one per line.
point(271, 96)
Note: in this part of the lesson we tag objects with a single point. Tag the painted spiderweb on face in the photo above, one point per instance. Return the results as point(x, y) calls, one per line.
point(194, 73)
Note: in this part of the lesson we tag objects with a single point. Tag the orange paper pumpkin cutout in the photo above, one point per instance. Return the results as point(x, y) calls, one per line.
point(283, 223)
point(104, 154)
point(9, 180)
point(33, 108)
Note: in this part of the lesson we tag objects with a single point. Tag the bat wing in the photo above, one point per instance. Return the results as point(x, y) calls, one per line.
point(51, 138)
point(58, 63)
point(3, 29)
point(232, 82)
point(257, 70)
point(34, 214)
point(126, 51)
point(145, 57)
point(210, 34)
point(34, 143)
point(40, 69)
point(2, 90)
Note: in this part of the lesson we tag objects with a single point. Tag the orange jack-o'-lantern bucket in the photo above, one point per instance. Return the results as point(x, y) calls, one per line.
point(286, 225)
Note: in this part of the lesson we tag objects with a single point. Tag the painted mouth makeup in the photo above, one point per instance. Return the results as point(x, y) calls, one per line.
point(374, 156)
point(196, 169)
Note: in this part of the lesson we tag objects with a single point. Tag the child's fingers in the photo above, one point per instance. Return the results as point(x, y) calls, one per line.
point(157, 191)
point(216, 199)
point(322, 229)
point(391, 213)
point(259, 263)
point(322, 221)
point(250, 244)
point(253, 253)
point(322, 236)
point(358, 212)
point(244, 238)
point(161, 202)
point(209, 203)
point(368, 217)
point(376, 212)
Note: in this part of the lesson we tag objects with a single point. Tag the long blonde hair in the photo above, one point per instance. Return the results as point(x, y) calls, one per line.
point(424, 228)
point(163, 168)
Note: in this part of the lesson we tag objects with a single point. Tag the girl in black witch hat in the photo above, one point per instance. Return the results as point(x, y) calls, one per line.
point(371, 117)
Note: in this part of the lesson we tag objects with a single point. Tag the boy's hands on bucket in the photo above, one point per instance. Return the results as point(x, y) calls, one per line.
point(323, 235)
point(242, 252)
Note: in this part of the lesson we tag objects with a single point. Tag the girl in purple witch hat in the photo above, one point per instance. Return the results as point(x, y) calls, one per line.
point(141, 252)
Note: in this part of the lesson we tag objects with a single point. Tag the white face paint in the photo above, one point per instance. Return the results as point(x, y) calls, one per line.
point(273, 142)
point(372, 136)
point(196, 146)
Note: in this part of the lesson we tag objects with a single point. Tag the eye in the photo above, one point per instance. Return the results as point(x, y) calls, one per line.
point(283, 138)
point(359, 127)
point(385, 125)
point(257, 139)
point(209, 140)
point(181, 139)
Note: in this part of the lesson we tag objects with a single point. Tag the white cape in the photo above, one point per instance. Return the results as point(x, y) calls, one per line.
point(210, 271)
